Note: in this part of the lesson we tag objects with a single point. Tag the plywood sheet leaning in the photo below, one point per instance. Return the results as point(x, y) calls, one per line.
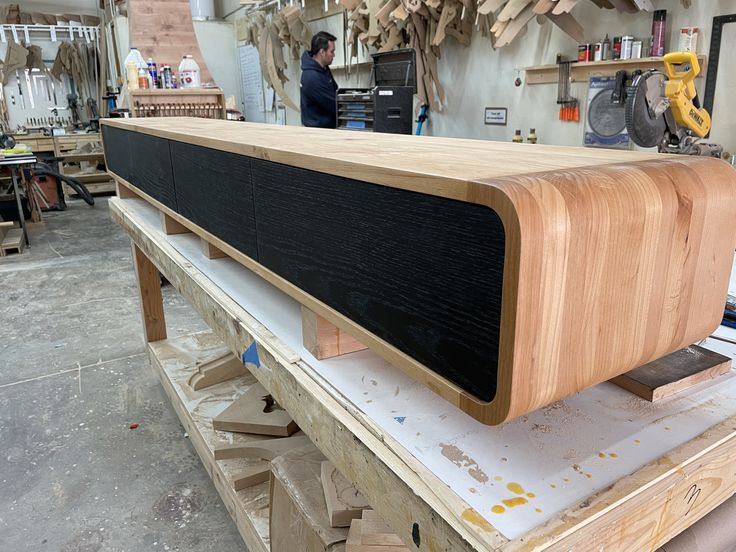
point(164, 31)
point(344, 501)
point(255, 411)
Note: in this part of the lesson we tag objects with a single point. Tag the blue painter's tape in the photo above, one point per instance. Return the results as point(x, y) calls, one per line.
point(251, 355)
point(400, 419)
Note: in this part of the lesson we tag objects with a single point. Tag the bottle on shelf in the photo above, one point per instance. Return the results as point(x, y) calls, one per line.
point(532, 136)
point(188, 73)
point(134, 62)
point(517, 139)
point(143, 79)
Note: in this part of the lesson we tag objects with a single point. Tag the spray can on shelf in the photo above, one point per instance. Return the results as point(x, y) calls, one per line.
point(166, 81)
point(659, 24)
point(153, 72)
point(616, 51)
point(189, 73)
point(606, 48)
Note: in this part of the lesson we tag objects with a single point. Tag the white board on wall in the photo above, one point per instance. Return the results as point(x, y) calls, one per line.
point(254, 101)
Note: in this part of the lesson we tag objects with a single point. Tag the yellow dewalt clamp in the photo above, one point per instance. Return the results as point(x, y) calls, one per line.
point(663, 109)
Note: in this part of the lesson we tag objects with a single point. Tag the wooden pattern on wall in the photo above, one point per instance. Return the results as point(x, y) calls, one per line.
point(613, 258)
point(163, 30)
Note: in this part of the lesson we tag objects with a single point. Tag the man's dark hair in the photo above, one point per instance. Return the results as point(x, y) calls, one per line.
point(321, 41)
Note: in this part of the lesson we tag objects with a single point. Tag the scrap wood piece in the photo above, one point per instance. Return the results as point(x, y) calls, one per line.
point(644, 5)
point(372, 534)
point(624, 6)
point(344, 501)
point(515, 27)
point(569, 24)
point(448, 14)
point(544, 6)
point(255, 411)
point(564, 6)
point(674, 373)
point(512, 9)
point(217, 370)
point(259, 472)
point(490, 6)
point(384, 14)
point(267, 449)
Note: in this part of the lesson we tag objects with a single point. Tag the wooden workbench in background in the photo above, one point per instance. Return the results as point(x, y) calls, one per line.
point(601, 469)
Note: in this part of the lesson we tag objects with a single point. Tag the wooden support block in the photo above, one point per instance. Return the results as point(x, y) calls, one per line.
point(123, 192)
point(344, 501)
point(152, 304)
point(325, 340)
point(221, 369)
point(172, 226)
point(674, 373)
point(268, 449)
point(210, 251)
point(255, 412)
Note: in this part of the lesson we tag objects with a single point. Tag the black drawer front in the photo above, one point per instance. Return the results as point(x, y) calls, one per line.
point(422, 272)
point(214, 190)
point(151, 168)
point(117, 150)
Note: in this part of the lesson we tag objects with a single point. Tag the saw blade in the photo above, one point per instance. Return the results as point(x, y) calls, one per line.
point(645, 106)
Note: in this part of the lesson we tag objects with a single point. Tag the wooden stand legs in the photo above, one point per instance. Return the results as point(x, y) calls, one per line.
point(149, 287)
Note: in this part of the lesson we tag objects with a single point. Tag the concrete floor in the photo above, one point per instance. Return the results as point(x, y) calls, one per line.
point(73, 377)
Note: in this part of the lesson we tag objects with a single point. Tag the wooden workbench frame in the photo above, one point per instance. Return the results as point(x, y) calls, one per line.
point(639, 512)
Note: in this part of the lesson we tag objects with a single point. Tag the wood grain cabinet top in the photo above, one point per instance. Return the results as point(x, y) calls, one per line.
point(503, 276)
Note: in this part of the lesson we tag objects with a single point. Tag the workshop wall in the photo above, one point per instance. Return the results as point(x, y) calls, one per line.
point(478, 76)
point(40, 94)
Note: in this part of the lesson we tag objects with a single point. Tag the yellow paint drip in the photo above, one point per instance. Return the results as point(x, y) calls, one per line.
point(538, 510)
point(553, 485)
point(516, 501)
point(613, 455)
point(498, 478)
point(498, 509)
point(471, 516)
point(531, 495)
point(601, 455)
point(515, 488)
point(637, 441)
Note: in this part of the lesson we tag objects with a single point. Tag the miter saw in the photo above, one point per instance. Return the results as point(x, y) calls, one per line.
point(663, 109)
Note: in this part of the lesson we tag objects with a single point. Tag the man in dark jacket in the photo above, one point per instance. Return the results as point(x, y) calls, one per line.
point(318, 88)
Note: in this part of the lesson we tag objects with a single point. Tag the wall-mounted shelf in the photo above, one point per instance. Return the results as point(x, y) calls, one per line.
point(582, 71)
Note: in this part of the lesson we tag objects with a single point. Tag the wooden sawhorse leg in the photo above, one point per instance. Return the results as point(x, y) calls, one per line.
point(152, 303)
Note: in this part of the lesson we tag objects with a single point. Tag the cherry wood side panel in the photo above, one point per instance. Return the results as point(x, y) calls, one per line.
point(619, 265)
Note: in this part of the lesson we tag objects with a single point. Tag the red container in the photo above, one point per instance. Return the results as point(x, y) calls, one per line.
point(585, 52)
point(659, 25)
